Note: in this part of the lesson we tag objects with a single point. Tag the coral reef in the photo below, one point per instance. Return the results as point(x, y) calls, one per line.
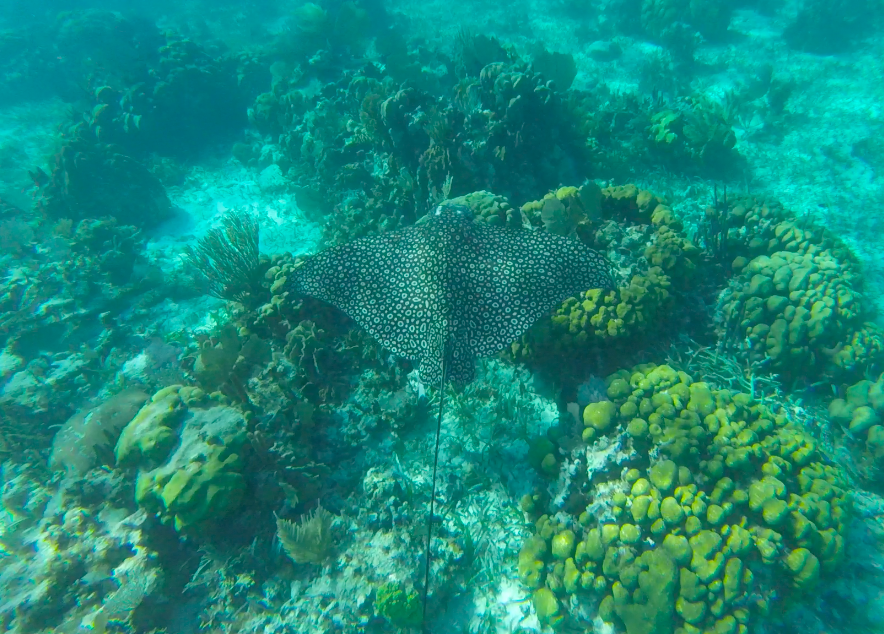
point(177, 99)
point(68, 561)
point(617, 219)
point(66, 313)
point(91, 179)
point(254, 462)
point(407, 149)
point(709, 508)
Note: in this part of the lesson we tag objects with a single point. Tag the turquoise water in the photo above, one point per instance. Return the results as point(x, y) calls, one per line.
point(391, 317)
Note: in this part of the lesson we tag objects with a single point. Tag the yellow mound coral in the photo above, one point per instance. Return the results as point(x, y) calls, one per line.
point(597, 315)
point(797, 299)
point(752, 228)
point(794, 312)
point(717, 488)
point(861, 413)
point(490, 208)
point(596, 216)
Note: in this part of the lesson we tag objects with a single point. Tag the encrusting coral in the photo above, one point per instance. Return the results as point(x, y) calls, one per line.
point(187, 447)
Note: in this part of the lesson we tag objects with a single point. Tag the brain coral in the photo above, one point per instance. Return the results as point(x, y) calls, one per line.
point(713, 506)
point(81, 442)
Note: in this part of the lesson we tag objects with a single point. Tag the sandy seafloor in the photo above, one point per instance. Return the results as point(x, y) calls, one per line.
point(813, 169)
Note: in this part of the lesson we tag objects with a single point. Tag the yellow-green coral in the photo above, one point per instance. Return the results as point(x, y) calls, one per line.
point(599, 315)
point(755, 235)
point(673, 254)
point(634, 205)
point(201, 480)
point(149, 436)
point(764, 227)
point(490, 208)
point(793, 310)
point(720, 487)
point(600, 217)
point(202, 490)
point(860, 414)
point(399, 605)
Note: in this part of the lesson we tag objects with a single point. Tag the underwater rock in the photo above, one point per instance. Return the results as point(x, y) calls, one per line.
point(89, 434)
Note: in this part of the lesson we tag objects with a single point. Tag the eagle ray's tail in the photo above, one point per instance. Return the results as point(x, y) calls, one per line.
point(433, 494)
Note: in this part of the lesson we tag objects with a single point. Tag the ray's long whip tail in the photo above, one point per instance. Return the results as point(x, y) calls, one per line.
point(433, 494)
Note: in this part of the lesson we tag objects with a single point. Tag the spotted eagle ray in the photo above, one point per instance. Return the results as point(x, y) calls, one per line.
point(447, 290)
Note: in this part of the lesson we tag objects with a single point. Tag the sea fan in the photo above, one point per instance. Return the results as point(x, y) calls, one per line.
point(309, 541)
